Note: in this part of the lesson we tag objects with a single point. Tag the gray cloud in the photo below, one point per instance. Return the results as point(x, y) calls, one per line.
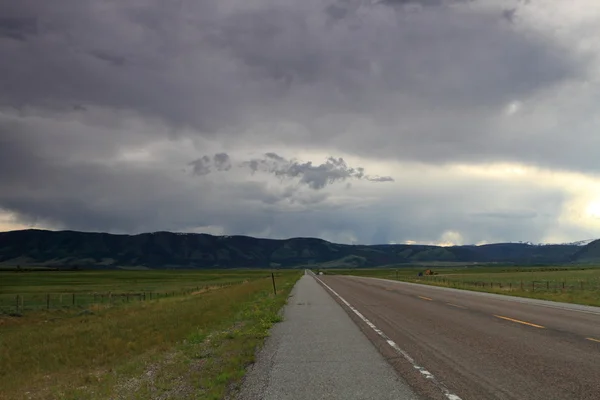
point(222, 162)
point(17, 28)
point(102, 104)
point(201, 166)
point(506, 214)
point(315, 176)
point(380, 178)
point(509, 14)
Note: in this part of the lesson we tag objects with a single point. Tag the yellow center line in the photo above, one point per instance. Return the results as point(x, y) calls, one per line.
point(519, 321)
point(456, 305)
point(593, 340)
point(424, 298)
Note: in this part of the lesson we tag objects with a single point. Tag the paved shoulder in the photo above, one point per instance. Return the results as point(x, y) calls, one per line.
point(318, 352)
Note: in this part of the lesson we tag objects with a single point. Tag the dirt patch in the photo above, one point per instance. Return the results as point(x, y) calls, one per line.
point(159, 382)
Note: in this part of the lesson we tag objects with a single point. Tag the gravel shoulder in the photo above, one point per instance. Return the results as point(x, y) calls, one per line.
point(318, 352)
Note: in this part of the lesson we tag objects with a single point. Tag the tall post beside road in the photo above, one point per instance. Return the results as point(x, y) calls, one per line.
point(273, 278)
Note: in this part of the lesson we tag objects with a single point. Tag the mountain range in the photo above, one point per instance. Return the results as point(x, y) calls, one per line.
point(85, 250)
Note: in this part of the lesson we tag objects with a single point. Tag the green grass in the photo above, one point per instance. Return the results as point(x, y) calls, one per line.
point(37, 289)
point(570, 284)
point(193, 346)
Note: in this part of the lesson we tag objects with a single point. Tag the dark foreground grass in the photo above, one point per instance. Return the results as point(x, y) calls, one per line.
point(580, 285)
point(188, 347)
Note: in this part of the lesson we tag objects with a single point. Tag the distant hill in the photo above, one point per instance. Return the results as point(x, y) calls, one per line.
point(588, 253)
point(70, 249)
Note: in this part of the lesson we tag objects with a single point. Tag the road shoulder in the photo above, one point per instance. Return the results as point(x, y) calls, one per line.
point(318, 352)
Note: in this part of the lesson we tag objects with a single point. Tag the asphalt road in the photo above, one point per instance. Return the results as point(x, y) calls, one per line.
point(474, 345)
point(318, 352)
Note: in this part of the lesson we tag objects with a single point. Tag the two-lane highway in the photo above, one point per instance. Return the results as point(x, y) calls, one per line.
point(475, 345)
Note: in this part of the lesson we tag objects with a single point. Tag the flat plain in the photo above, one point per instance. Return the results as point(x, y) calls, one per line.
point(193, 338)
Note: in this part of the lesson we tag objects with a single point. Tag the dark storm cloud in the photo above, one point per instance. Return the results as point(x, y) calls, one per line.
point(219, 69)
point(87, 83)
point(17, 28)
point(314, 176)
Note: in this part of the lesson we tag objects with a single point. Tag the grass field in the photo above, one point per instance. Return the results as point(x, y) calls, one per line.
point(61, 289)
point(195, 345)
point(579, 285)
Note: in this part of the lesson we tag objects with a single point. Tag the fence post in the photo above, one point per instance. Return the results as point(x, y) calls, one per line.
point(533, 286)
point(73, 299)
point(274, 288)
point(47, 302)
point(17, 304)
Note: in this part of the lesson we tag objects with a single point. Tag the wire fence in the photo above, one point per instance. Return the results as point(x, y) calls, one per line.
point(21, 303)
point(512, 284)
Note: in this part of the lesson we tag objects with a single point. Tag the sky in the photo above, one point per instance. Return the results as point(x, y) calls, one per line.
point(394, 121)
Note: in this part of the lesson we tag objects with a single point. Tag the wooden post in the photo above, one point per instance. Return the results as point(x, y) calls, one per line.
point(17, 304)
point(47, 302)
point(73, 299)
point(273, 278)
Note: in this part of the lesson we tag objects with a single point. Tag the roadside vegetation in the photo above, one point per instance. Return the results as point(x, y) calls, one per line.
point(580, 285)
point(33, 290)
point(195, 345)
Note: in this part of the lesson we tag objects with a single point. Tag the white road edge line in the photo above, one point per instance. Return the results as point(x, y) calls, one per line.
point(428, 375)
